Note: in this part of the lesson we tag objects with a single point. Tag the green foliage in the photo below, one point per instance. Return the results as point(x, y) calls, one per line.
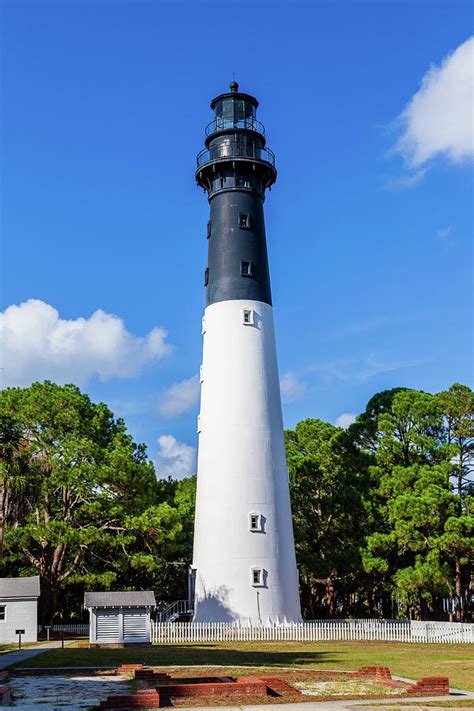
point(423, 543)
point(95, 516)
point(383, 513)
point(328, 480)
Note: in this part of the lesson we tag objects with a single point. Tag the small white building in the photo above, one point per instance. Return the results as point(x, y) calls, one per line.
point(19, 609)
point(119, 618)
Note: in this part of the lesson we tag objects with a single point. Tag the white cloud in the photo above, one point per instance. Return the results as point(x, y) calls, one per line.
point(438, 120)
point(174, 459)
point(361, 370)
point(179, 398)
point(406, 181)
point(291, 388)
point(444, 234)
point(346, 419)
point(38, 344)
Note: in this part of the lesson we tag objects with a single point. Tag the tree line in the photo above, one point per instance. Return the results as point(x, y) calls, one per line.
point(383, 512)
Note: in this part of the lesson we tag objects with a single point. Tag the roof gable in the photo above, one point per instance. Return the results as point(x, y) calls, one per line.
point(120, 599)
point(20, 587)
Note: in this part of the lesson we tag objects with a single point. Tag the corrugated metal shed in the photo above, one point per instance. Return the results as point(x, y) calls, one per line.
point(20, 587)
point(144, 598)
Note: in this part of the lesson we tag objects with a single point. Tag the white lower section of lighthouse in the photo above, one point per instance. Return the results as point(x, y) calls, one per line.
point(244, 558)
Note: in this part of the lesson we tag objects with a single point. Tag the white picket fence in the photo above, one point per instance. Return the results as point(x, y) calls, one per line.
point(315, 631)
point(82, 630)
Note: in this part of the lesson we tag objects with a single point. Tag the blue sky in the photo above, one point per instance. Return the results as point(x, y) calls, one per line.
point(369, 224)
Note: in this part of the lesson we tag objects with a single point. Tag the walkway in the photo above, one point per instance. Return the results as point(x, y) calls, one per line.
point(354, 704)
point(9, 659)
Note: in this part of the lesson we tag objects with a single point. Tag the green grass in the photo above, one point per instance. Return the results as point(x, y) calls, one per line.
point(411, 660)
point(5, 648)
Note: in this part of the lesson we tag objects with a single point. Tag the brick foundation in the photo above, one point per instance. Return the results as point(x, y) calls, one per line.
point(376, 672)
point(144, 699)
point(242, 686)
point(153, 686)
point(277, 687)
point(129, 668)
point(151, 676)
point(165, 687)
point(430, 686)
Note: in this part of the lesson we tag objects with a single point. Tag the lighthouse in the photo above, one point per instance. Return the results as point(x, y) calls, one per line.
point(244, 566)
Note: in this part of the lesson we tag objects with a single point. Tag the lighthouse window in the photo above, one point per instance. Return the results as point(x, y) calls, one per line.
point(244, 221)
point(246, 269)
point(208, 229)
point(255, 522)
point(206, 276)
point(247, 317)
point(257, 576)
point(2, 612)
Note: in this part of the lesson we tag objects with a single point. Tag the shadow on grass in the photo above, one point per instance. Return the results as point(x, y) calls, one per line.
point(180, 655)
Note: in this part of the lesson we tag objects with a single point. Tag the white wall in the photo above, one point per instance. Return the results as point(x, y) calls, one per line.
point(118, 616)
point(20, 614)
point(242, 469)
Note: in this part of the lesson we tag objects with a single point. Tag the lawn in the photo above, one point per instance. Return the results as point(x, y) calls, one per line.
point(13, 647)
point(411, 660)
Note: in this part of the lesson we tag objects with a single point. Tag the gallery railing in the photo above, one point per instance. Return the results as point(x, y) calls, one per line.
point(235, 149)
point(222, 124)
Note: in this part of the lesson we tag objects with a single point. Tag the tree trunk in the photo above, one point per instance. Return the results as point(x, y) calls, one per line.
point(311, 601)
point(371, 602)
point(394, 609)
point(424, 608)
point(48, 601)
point(457, 594)
point(386, 606)
point(330, 598)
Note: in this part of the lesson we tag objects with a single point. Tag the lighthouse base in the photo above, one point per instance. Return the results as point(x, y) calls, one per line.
point(244, 554)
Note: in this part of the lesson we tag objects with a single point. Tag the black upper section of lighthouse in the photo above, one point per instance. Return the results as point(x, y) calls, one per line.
point(235, 168)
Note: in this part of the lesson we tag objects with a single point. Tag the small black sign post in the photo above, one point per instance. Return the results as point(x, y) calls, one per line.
point(19, 633)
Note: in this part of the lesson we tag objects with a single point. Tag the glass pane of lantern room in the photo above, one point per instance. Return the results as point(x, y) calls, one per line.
point(218, 116)
point(249, 115)
point(228, 113)
point(239, 114)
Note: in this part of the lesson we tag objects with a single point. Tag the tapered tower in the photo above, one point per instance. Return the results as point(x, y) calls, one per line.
point(244, 566)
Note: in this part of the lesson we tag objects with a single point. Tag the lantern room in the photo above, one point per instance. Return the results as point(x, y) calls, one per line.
point(234, 110)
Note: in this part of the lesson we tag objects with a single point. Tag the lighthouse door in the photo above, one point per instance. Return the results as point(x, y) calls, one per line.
point(191, 587)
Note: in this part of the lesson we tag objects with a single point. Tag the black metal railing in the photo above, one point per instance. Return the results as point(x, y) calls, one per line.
point(222, 124)
point(235, 149)
point(172, 612)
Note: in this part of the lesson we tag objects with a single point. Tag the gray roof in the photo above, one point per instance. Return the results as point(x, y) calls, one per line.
point(120, 599)
point(20, 587)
